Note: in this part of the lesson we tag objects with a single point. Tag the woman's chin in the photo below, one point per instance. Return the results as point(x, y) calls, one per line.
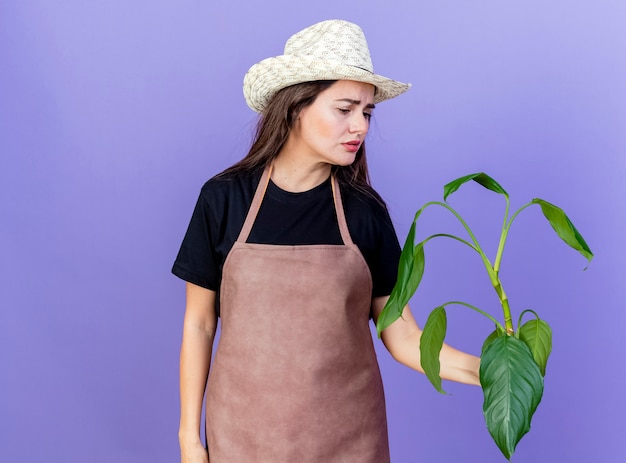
point(345, 161)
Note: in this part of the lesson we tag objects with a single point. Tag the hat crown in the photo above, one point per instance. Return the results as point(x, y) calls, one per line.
point(328, 50)
point(332, 40)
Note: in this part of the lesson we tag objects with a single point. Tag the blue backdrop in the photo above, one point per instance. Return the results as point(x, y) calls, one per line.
point(113, 114)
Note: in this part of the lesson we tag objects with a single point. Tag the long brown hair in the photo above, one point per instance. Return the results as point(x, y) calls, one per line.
point(275, 125)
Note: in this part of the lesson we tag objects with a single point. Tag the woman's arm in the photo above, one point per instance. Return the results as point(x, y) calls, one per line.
point(402, 340)
point(195, 358)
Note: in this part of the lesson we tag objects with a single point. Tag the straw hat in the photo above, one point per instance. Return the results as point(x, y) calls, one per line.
point(329, 50)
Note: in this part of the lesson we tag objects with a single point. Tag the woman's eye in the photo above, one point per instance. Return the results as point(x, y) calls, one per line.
point(368, 116)
point(344, 111)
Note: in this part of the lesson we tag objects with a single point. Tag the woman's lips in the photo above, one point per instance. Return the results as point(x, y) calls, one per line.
point(352, 146)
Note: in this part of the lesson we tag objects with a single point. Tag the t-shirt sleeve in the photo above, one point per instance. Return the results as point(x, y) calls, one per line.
point(385, 256)
point(372, 231)
point(197, 261)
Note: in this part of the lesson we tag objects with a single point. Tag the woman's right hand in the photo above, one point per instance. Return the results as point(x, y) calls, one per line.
point(193, 453)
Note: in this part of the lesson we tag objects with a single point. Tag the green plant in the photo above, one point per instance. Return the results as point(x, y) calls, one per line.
point(513, 362)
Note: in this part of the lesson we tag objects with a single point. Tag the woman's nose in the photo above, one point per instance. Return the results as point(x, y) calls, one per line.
point(359, 124)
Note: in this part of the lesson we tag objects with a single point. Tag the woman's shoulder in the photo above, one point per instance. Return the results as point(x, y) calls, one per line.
point(363, 198)
point(229, 184)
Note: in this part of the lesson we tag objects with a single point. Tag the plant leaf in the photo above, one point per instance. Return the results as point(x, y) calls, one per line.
point(415, 277)
point(430, 345)
point(512, 387)
point(564, 227)
point(405, 266)
point(494, 334)
point(538, 337)
point(480, 178)
point(410, 272)
point(389, 314)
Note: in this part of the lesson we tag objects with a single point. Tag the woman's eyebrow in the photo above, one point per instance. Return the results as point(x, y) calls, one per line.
point(356, 102)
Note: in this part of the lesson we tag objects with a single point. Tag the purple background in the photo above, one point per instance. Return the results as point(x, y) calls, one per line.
point(113, 114)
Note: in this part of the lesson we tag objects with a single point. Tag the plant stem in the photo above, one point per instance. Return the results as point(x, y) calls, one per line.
point(517, 213)
point(482, 312)
point(519, 321)
point(504, 300)
point(503, 235)
point(491, 270)
point(506, 308)
point(486, 262)
point(450, 236)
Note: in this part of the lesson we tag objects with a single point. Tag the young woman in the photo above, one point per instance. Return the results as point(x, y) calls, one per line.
point(296, 252)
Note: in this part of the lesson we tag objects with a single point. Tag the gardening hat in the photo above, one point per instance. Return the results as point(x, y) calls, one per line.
point(329, 50)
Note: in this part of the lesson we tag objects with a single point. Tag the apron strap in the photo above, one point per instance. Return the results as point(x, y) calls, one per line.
point(341, 216)
point(258, 199)
point(256, 205)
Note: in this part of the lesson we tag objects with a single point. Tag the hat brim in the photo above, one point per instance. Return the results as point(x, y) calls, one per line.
point(269, 76)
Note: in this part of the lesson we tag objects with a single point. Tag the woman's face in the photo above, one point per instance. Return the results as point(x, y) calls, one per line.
point(332, 129)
